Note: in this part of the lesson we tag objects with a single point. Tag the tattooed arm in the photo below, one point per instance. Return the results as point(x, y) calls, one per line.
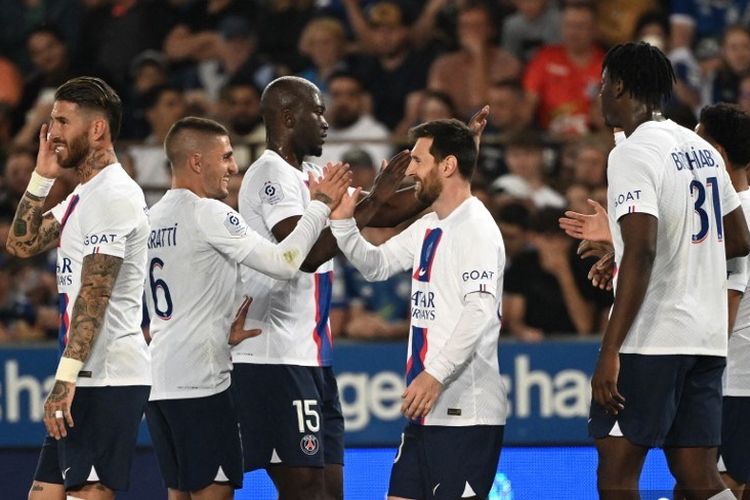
point(98, 275)
point(31, 232)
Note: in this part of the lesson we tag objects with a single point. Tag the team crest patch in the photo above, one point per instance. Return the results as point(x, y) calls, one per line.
point(234, 224)
point(271, 193)
point(309, 444)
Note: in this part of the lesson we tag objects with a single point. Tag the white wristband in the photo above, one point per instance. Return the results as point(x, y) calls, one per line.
point(67, 370)
point(39, 186)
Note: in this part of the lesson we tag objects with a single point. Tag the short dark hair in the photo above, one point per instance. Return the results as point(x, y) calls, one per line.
point(192, 124)
point(342, 73)
point(449, 137)
point(546, 221)
point(48, 28)
point(729, 126)
point(93, 93)
point(514, 213)
point(238, 81)
point(443, 97)
point(644, 70)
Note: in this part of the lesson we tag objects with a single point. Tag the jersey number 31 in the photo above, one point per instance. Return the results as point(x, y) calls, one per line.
point(698, 191)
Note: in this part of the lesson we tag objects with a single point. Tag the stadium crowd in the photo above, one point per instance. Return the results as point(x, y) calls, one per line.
point(383, 67)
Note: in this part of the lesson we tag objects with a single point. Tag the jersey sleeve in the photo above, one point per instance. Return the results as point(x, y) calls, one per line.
point(224, 229)
point(479, 263)
point(280, 194)
point(633, 182)
point(737, 274)
point(58, 211)
point(106, 227)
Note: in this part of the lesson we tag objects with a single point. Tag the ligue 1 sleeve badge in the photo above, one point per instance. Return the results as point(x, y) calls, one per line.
point(271, 193)
point(309, 444)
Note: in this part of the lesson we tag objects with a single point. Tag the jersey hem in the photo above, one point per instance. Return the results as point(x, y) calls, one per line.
point(109, 382)
point(189, 394)
point(661, 351)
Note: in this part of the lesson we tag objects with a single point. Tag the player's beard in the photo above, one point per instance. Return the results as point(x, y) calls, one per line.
point(429, 188)
point(77, 151)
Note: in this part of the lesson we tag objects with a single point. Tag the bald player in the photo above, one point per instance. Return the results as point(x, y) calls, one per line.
point(194, 250)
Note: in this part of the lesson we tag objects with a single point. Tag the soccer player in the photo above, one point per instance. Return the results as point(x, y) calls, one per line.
point(297, 432)
point(673, 216)
point(454, 397)
point(727, 128)
point(101, 230)
point(195, 247)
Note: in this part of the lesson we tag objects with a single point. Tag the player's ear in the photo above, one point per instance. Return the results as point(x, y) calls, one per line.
point(97, 129)
point(618, 88)
point(288, 118)
point(448, 166)
point(194, 162)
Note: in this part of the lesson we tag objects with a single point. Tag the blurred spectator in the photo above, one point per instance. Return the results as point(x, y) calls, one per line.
point(394, 69)
point(10, 82)
point(508, 115)
point(562, 80)
point(279, 25)
point(743, 98)
point(466, 75)
point(524, 155)
point(238, 58)
point(19, 17)
point(534, 24)
point(148, 70)
point(723, 85)
point(616, 19)
point(19, 165)
point(323, 41)
point(6, 130)
point(694, 20)
point(164, 105)
point(17, 315)
point(113, 34)
point(546, 289)
point(239, 111)
point(52, 67)
point(591, 162)
point(513, 219)
point(424, 106)
point(349, 122)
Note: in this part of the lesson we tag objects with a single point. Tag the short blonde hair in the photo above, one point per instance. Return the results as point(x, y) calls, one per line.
point(326, 25)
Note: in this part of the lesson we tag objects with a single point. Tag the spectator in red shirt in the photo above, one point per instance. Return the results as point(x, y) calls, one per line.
point(562, 80)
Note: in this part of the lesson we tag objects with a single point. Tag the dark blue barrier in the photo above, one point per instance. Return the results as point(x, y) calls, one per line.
point(548, 389)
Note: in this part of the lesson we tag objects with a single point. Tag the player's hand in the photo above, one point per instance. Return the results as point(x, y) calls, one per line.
point(478, 122)
point(390, 176)
point(602, 273)
point(332, 185)
point(237, 332)
point(588, 248)
point(604, 382)
point(46, 159)
point(420, 396)
point(593, 227)
point(345, 209)
point(57, 409)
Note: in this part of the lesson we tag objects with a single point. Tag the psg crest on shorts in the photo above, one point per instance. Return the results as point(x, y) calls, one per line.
point(309, 444)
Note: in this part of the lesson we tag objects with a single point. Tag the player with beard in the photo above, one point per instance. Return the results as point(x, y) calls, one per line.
point(454, 398)
point(350, 122)
point(296, 434)
point(101, 230)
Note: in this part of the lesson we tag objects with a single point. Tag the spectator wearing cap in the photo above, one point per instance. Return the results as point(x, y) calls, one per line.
point(534, 24)
point(324, 42)
point(466, 74)
point(524, 156)
point(394, 66)
point(350, 123)
point(48, 51)
point(562, 80)
point(237, 59)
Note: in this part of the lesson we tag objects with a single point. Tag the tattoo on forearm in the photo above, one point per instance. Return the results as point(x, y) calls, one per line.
point(322, 197)
point(97, 281)
point(59, 392)
point(32, 232)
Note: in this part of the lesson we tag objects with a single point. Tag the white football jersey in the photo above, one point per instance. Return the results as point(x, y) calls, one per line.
point(292, 314)
point(108, 215)
point(737, 372)
point(450, 259)
point(668, 171)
